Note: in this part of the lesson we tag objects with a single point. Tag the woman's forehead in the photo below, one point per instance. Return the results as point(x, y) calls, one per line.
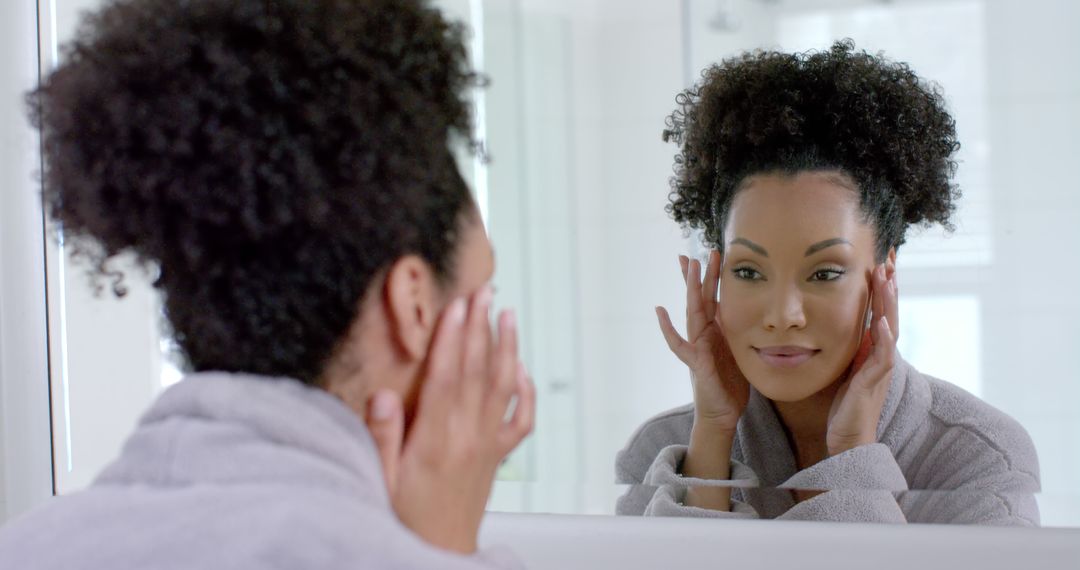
point(795, 210)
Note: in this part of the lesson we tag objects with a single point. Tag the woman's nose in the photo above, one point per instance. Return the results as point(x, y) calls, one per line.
point(785, 310)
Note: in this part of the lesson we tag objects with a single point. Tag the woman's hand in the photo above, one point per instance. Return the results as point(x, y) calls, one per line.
point(856, 408)
point(720, 390)
point(439, 478)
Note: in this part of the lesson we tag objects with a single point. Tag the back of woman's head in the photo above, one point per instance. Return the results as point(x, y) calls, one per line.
point(771, 112)
point(270, 158)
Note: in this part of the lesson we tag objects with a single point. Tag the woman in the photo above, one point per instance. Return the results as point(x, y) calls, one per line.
point(285, 167)
point(805, 171)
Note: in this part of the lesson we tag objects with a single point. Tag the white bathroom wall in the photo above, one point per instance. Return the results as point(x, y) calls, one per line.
point(531, 203)
point(578, 185)
point(25, 465)
point(1032, 312)
point(627, 70)
point(105, 352)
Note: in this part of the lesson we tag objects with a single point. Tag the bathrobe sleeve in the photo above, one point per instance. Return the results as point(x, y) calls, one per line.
point(859, 486)
point(944, 457)
point(984, 457)
point(984, 471)
point(497, 557)
point(663, 488)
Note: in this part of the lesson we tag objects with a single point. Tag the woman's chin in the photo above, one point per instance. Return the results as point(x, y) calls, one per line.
point(786, 394)
point(788, 389)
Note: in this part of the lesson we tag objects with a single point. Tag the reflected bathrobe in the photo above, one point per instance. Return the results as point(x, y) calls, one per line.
point(943, 456)
point(238, 472)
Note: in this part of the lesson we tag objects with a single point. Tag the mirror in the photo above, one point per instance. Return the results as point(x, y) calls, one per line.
point(574, 197)
point(579, 182)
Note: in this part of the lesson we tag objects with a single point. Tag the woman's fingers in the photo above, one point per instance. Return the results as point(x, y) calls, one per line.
point(695, 310)
point(504, 368)
point(886, 347)
point(385, 419)
point(712, 281)
point(440, 391)
point(862, 353)
point(873, 367)
point(675, 342)
point(892, 306)
point(877, 297)
point(477, 358)
point(684, 264)
point(521, 422)
point(856, 408)
point(877, 369)
point(884, 302)
point(885, 298)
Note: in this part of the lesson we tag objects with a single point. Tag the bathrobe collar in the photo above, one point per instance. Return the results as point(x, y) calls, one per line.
point(238, 428)
point(761, 443)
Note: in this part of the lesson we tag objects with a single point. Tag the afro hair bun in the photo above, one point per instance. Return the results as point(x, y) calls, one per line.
point(842, 109)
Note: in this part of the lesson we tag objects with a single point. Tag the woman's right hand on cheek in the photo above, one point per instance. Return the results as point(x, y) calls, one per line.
point(440, 476)
point(720, 390)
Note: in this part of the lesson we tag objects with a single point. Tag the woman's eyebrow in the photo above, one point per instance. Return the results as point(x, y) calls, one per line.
point(824, 244)
point(753, 246)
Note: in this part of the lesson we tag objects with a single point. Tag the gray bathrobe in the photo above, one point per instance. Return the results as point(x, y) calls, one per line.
point(237, 472)
point(943, 456)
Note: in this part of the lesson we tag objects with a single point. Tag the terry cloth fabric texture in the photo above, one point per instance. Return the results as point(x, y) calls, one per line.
point(238, 472)
point(943, 456)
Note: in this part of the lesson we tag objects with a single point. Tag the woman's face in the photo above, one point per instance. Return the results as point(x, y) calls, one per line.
point(795, 282)
point(474, 260)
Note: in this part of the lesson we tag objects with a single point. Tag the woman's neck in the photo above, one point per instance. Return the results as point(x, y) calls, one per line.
point(806, 422)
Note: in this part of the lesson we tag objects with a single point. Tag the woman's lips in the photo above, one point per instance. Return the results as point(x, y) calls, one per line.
point(785, 356)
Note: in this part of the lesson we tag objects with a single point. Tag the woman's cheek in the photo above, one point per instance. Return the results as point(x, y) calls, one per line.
point(737, 324)
point(735, 313)
point(847, 318)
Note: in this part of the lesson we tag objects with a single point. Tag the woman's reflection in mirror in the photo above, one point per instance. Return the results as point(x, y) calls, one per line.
point(805, 172)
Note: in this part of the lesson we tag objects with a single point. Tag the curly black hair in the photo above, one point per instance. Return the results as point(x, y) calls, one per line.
point(841, 110)
point(269, 157)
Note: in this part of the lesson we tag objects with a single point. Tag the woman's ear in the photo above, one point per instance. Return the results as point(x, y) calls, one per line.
point(410, 293)
point(890, 263)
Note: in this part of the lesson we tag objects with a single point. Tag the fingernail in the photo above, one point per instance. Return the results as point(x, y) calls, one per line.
point(383, 406)
point(484, 297)
point(509, 319)
point(457, 311)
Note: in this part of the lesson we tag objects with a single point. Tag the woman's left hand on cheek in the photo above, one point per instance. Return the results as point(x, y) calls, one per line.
point(856, 408)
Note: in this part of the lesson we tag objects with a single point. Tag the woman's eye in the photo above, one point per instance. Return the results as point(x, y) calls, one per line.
point(746, 273)
point(827, 275)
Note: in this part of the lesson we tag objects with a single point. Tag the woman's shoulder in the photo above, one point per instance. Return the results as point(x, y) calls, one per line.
point(957, 408)
point(665, 428)
point(671, 427)
point(973, 432)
